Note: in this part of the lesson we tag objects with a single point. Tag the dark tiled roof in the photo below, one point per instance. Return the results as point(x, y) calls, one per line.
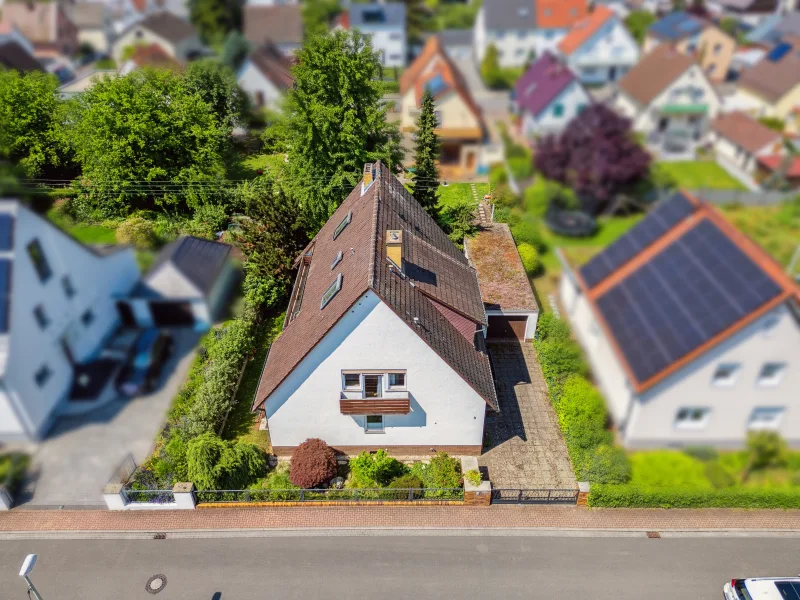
point(282, 24)
point(14, 56)
point(542, 83)
point(509, 14)
point(168, 26)
point(273, 65)
point(199, 260)
point(433, 266)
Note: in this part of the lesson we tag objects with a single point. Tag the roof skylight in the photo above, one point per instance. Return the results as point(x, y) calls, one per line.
point(345, 222)
point(332, 290)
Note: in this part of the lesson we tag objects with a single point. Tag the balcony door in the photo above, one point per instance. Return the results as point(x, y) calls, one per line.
point(372, 386)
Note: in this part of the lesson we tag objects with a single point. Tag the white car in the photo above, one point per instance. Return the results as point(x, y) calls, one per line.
point(763, 588)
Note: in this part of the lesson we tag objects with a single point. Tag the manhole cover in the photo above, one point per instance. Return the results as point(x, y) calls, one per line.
point(156, 584)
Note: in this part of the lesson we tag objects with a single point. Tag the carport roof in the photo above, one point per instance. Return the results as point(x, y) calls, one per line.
point(501, 275)
point(199, 260)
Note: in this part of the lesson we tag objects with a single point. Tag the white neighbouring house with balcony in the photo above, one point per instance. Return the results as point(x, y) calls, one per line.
point(691, 329)
point(383, 343)
point(57, 309)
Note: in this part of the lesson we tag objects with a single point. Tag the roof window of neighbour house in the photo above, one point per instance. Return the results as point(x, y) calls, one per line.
point(6, 231)
point(69, 289)
point(87, 318)
point(332, 290)
point(42, 375)
point(39, 261)
point(771, 374)
point(336, 260)
point(341, 226)
point(41, 317)
point(5, 293)
point(726, 374)
point(374, 16)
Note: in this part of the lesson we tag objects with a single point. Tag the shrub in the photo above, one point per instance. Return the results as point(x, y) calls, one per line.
point(313, 463)
point(550, 328)
point(473, 476)
point(137, 231)
point(582, 414)
point(767, 449)
point(442, 472)
point(539, 196)
point(216, 464)
point(208, 220)
point(704, 453)
point(719, 475)
point(521, 167)
point(497, 175)
point(668, 468)
point(530, 259)
point(374, 470)
point(529, 232)
point(505, 197)
point(635, 496)
point(607, 464)
point(559, 360)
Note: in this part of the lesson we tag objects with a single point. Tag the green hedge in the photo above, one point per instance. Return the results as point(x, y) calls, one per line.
point(632, 496)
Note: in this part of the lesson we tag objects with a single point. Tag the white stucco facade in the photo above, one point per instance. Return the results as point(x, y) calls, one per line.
point(649, 419)
point(389, 41)
point(138, 35)
point(555, 117)
point(445, 410)
point(736, 156)
point(28, 407)
point(258, 87)
point(605, 56)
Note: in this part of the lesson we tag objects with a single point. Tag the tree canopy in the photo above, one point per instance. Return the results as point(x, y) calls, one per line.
point(426, 154)
point(638, 22)
point(216, 84)
point(214, 19)
point(596, 155)
point(335, 122)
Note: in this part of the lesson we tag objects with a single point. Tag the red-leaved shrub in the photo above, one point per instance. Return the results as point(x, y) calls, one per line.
point(313, 463)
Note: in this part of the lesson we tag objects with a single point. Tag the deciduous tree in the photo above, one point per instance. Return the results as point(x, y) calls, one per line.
point(426, 154)
point(216, 84)
point(215, 18)
point(638, 22)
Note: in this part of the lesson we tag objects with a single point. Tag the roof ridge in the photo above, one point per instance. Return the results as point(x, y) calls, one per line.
point(373, 263)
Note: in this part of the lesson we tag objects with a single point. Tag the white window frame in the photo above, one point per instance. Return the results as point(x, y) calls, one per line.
point(692, 424)
point(395, 388)
point(761, 425)
point(773, 381)
point(731, 380)
point(383, 424)
point(352, 388)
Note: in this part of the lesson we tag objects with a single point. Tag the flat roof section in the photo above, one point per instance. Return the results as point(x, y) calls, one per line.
point(501, 276)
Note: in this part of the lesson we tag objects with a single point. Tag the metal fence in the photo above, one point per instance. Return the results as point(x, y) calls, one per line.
point(331, 495)
point(124, 472)
point(149, 496)
point(743, 197)
point(534, 496)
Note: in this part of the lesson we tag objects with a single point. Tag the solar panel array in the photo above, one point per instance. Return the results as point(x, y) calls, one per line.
point(694, 289)
point(779, 51)
point(665, 215)
point(5, 293)
point(6, 231)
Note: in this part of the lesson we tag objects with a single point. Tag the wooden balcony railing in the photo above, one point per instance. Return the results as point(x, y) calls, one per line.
point(375, 406)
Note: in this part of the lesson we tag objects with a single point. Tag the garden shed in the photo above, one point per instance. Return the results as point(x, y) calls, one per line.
point(508, 299)
point(187, 286)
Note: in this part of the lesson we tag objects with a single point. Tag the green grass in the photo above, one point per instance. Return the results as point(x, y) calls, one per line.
point(695, 174)
point(240, 423)
point(251, 164)
point(12, 470)
point(776, 228)
point(456, 193)
point(667, 468)
point(86, 233)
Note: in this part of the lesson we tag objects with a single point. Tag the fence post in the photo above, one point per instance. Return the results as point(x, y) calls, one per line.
point(410, 494)
point(302, 495)
point(114, 495)
point(184, 496)
point(583, 493)
point(475, 495)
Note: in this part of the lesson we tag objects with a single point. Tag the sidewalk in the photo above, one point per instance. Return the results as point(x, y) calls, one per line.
point(412, 517)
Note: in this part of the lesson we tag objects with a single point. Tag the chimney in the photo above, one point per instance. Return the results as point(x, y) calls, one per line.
point(394, 247)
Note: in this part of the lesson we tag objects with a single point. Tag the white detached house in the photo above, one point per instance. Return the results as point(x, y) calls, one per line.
point(57, 309)
point(383, 343)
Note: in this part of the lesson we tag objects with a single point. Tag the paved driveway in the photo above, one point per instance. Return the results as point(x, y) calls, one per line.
point(73, 464)
point(526, 449)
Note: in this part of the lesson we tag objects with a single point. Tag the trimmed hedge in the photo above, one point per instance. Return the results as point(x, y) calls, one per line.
point(530, 259)
point(633, 496)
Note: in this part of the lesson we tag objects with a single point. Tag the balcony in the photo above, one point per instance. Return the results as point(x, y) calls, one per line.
point(396, 405)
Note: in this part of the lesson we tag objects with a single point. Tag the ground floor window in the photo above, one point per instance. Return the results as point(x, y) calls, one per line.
point(766, 417)
point(692, 418)
point(374, 424)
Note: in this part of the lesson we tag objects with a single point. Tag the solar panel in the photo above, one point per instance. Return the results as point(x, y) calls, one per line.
point(5, 293)
point(663, 217)
point(6, 231)
point(694, 289)
point(779, 51)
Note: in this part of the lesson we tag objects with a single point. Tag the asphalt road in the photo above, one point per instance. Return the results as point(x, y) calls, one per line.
point(395, 567)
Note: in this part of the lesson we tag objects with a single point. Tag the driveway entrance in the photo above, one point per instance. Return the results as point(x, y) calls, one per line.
point(524, 447)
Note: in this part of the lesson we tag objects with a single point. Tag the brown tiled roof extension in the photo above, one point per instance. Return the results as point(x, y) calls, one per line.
point(281, 24)
point(444, 275)
point(744, 131)
point(654, 72)
point(772, 80)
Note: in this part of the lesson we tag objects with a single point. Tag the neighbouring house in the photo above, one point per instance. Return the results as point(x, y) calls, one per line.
point(456, 42)
point(524, 29)
point(599, 48)
point(771, 87)
point(749, 12)
point(739, 140)
point(152, 56)
point(83, 83)
point(57, 310)
point(774, 29)
point(460, 128)
point(279, 24)
point(779, 167)
point(46, 25)
point(94, 24)
point(383, 343)
point(176, 36)
point(16, 51)
point(667, 95)
point(511, 308)
point(265, 75)
point(385, 24)
point(187, 286)
point(547, 97)
point(691, 330)
point(689, 34)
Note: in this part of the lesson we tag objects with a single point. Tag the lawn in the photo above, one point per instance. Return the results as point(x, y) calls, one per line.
point(84, 232)
point(255, 162)
point(776, 228)
point(456, 193)
point(696, 175)
point(240, 423)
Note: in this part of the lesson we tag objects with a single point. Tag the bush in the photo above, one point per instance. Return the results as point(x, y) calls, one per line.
point(521, 167)
point(582, 414)
point(374, 470)
point(634, 496)
point(529, 232)
point(442, 472)
point(504, 197)
point(539, 196)
point(668, 468)
point(704, 453)
point(550, 328)
point(530, 259)
point(216, 464)
point(719, 475)
point(313, 463)
point(497, 175)
point(208, 220)
point(559, 359)
point(767, 449)
point(607, 464)
point(473, 476)
point(137, 231)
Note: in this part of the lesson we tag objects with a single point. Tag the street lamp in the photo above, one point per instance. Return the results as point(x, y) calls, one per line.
point(26, 569)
